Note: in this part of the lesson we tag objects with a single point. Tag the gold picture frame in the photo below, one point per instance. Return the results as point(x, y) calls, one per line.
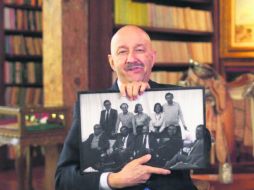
point(237, 28)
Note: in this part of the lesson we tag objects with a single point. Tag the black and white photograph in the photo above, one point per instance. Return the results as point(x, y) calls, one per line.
point(169, 124)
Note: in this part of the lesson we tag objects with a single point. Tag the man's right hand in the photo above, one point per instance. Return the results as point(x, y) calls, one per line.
point(133, 89)
point(134, 173)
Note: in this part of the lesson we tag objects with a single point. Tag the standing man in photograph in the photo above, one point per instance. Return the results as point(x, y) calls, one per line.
point(108, 119)
point(173, 113)
point(125, 118)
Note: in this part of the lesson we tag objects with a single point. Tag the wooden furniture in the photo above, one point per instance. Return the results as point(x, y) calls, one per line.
point(25, 127)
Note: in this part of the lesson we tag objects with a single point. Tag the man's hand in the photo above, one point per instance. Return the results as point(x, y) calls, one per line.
point(133, 89)
point(134, 173)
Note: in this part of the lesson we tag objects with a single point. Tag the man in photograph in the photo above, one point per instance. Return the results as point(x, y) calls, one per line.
point(146, 143)
point(96, 147)
point(125, 118)
point(173, 113)
point(195, 157)
point(169, 144)
point(108, 119)
point(123, 146)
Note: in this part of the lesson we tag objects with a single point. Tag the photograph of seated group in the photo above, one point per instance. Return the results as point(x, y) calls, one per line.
point(169, 124)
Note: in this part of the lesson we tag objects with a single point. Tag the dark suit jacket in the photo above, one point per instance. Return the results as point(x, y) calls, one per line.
point(119, 142)
point(139, 145)
point(109, 126)
point(69, 177)
point(169, 148)
point(92, 156)
point(103, 141)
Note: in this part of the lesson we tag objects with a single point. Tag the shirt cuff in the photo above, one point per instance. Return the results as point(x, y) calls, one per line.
point(104, 181)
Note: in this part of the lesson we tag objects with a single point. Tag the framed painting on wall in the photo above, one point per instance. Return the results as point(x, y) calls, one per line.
point(237, 28)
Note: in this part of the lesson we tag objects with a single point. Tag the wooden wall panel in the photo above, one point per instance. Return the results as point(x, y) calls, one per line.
point(65, 46)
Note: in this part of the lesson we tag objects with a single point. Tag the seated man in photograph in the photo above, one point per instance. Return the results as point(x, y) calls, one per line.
point(169, 145)
point(195, 158)
point(96, 145)
point(123, 147)
point(146, 143)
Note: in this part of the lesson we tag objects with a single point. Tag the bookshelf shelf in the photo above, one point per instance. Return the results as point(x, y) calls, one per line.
point(23, 7)
point(23, 32)
point(23, 57)
point(23, 85)
point(198, 4)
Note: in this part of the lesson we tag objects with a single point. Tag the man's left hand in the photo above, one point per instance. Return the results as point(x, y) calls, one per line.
point(133, 89)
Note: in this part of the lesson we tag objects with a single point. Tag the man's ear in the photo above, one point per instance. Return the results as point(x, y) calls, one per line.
point(111, 62)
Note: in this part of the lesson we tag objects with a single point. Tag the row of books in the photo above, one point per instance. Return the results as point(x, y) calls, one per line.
point(182, 52)
point(23, 96)
point(161, 16)
point(166, 77)
point(25, 2)
point(22, 72)
point(18, 19)
point(20, 45)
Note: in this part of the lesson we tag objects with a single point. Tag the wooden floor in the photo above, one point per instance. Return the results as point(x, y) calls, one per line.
point(241, 181)
point(8, 179)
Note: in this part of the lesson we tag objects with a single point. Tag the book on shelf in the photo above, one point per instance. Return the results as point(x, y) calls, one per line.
point(162, 16)
point(20, 45)
point(166, 77)
point(19, 19)
point(18, 96)
point(182, 52)
point(22, 72)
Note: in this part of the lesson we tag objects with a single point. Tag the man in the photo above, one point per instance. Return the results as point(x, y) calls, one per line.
point(195, 158)
point(108, 119)
point(123, 146)
point(169, 145)
point(146, 143)
point(132, 58)
point(173, 113)
point(125, 118)
point(96, 145)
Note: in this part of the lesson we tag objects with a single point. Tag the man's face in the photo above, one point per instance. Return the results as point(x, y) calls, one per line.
point(199, 133)
point(107, 105)
point(132, 56)
point(97, 130)
point(124, 108)
point(169, 98)
point(171, 130)
point(145, 130)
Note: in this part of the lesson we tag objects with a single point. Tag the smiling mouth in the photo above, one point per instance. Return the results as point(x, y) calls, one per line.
point(134, 66)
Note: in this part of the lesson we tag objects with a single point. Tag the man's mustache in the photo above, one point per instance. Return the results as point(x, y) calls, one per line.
point(133, 65)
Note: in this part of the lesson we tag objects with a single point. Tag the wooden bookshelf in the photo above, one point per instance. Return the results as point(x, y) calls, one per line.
point(20, 41)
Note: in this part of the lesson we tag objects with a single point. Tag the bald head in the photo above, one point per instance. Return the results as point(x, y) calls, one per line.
point(129, 31)
point(132, 56)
